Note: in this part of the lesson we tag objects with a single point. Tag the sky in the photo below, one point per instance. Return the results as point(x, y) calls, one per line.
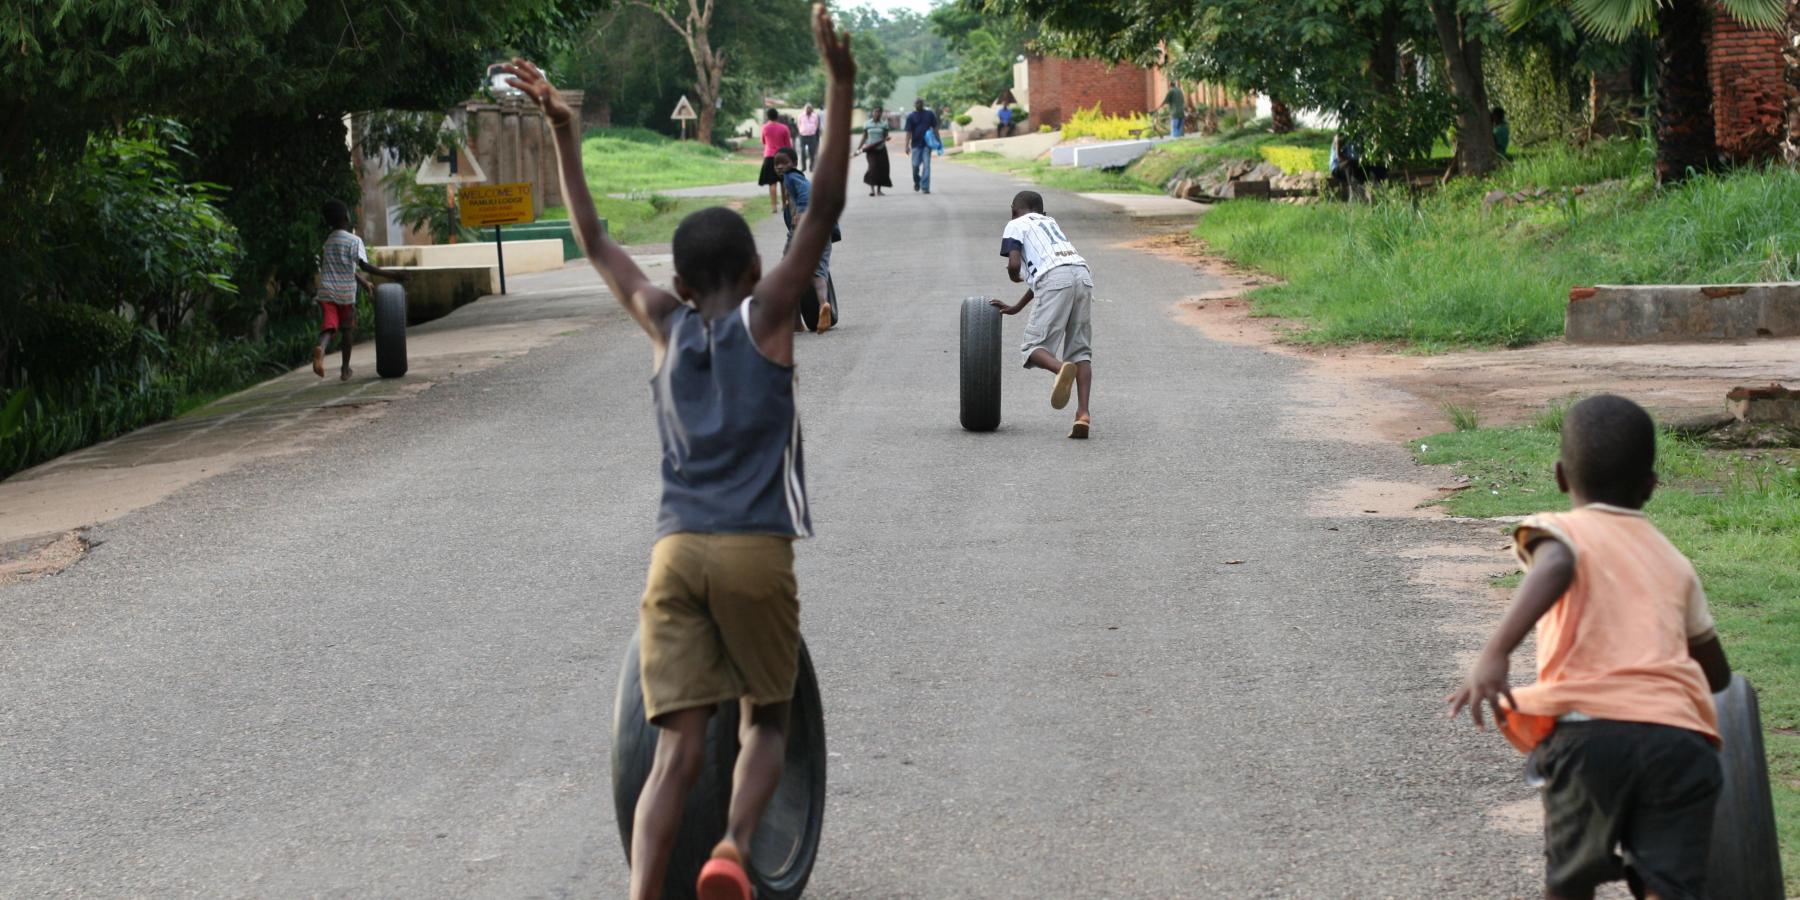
point(891, 5)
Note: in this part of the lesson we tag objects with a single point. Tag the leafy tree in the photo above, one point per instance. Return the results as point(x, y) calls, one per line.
point(912, 46)
point(767, 38)
point(1685, 136)
point(987, 40)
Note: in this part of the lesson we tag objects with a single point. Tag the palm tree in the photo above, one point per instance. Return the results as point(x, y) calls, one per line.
point(1790, 55)
point(1685, 140)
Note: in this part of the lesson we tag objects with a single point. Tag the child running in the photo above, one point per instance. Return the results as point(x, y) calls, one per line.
point(1620, 725)
point(1061, 328)
point(341, 264)
point(796, 195)
point(720, 617)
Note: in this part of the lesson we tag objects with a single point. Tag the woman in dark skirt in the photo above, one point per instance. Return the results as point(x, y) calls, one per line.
point(774, 137)
point(874, 146)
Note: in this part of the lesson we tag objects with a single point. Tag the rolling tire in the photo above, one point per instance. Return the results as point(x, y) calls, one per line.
point(1745, 863)
point(787, 840)
point(390, 330)
point(980, 365)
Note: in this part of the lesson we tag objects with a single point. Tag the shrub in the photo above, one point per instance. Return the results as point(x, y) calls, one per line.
point(1094, 123)
point(964, 119)
point(1294, 160)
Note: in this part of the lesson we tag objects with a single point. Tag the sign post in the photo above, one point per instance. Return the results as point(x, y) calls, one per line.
point(684, 113)
point(481, 205)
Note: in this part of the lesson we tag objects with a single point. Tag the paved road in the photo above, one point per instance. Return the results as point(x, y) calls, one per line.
point(385, 668)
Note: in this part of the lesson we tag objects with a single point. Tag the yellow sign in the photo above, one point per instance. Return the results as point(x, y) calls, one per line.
point(482, 205)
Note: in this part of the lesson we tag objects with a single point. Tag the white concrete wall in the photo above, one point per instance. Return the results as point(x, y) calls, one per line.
point(1025, 146)
point(521, 256)
point(1108, 155)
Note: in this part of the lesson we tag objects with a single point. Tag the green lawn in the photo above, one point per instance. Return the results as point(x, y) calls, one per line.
point(1066, 178)
point(628, 160)
point(652, 219)
point(1441, 270)
point(1736, 514)
point(1299, 151)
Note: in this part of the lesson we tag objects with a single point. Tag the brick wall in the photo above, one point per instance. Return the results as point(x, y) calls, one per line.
point(1746, 69)
point(1059, 87)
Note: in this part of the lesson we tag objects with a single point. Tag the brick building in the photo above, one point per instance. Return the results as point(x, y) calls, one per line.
point(1054, 88)
point(1746, 69)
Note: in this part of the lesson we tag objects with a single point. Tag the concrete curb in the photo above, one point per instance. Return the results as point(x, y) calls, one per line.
point(1658, 313)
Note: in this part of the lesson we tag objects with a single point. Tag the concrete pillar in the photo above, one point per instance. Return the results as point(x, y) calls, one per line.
point(485, 140)
point(509, 146)
point(531, 143)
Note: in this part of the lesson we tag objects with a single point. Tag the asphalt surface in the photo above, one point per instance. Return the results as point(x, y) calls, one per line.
point(386, 668)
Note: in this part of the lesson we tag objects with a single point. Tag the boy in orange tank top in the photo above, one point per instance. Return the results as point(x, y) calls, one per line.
point(1619, 725)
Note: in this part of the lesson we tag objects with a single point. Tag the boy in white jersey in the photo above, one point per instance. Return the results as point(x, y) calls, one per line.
point(1058, 334)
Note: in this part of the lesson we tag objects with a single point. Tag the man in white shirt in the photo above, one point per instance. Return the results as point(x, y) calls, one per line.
point(1060, 330)
point(809, 137)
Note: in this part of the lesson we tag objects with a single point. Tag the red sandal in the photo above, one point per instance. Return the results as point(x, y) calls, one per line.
point(723, 877)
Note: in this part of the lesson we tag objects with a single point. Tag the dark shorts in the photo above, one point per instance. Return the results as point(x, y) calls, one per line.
point(1646, 790)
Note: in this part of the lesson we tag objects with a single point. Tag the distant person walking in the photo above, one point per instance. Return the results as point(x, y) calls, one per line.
point(921, 123)
point(1177, 104)
point(774, 137)
point(809, 136)
point(874, 148)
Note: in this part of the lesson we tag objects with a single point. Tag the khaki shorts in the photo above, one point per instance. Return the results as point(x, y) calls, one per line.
point(1062, 322)
point(720, 620)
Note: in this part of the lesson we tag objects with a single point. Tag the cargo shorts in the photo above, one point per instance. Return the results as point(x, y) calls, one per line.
point(720, 620)
point(1062, 314)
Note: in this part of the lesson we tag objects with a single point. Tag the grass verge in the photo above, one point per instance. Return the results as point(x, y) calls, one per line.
point(1736, 514)
point(1445, 270)
point(638, 160)
point(1067, 178)
point(652, 219)
point(1298, 151)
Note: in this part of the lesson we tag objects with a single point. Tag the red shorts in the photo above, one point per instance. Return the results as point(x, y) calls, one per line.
point(335, 313)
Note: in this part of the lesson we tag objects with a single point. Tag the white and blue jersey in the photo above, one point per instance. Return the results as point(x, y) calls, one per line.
point(1042, 244)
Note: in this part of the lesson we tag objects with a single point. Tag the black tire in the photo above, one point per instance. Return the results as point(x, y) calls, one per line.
point(1746, 856)
point(980, 365)
point(787, 840)
point(390, 330)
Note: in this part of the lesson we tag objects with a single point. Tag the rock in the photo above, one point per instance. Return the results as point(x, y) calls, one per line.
point(1493, 198)
point(1246, 190)
point(1775, 405)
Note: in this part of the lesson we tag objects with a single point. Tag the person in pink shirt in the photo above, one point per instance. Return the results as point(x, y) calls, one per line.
point(809, 137)
point(774, 137)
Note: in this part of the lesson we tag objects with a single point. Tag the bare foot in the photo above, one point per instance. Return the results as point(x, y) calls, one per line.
point(345, 375)
point(319, 362)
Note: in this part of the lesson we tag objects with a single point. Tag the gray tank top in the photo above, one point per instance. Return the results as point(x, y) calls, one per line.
point(731, 460)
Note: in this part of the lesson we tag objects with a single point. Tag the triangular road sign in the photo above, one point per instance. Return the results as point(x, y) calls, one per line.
point(451, 166)
point(683, 110)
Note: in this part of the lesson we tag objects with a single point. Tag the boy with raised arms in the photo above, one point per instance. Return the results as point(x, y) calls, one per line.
point(720, 616)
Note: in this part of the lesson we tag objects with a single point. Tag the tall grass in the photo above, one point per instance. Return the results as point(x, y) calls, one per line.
point(1446, 270)
point(633, 160)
